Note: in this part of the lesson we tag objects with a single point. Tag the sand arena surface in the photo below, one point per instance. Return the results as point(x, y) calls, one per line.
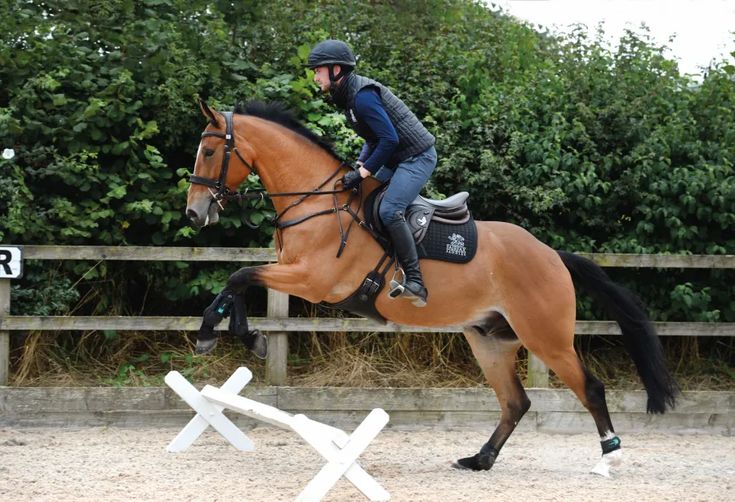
point(114, 464)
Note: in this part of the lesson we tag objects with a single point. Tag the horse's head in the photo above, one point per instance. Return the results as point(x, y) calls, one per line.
point(216, 174)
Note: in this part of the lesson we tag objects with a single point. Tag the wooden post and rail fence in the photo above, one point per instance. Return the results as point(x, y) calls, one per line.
point(278, 324)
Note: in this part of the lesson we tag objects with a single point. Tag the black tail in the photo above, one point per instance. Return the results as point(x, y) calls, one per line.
point(639, 335)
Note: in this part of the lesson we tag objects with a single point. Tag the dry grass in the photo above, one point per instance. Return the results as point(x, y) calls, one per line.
point(388, 360)
point(335, 359)
point(136, 359)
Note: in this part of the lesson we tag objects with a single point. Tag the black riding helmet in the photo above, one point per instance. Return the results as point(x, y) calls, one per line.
point(329, 53)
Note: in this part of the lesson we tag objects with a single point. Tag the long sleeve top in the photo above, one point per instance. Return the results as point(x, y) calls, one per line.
point(369, 107)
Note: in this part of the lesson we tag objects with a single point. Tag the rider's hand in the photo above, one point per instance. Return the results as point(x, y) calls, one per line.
point(352, 179)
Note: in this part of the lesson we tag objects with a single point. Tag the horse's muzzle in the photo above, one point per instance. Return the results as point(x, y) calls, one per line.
point(202, 213)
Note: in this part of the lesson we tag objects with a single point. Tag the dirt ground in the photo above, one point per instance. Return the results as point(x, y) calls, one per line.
point(111, 464)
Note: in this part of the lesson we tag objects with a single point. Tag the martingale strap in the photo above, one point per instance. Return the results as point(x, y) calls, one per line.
point(335, 209)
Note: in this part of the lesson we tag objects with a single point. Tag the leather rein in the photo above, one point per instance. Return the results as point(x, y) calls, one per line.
point(223, 192)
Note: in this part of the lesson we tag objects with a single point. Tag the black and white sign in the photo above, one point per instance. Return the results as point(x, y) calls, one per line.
point(11, 262)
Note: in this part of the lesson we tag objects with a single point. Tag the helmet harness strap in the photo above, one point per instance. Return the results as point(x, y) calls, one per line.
point(332, 77)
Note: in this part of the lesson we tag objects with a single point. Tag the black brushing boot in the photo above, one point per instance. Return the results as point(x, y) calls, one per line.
point(413, 283)
point(232, 305)
point(213, 315)
point(252, 339)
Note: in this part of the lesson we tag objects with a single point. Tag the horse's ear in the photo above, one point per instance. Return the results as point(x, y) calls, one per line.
point(208, 112)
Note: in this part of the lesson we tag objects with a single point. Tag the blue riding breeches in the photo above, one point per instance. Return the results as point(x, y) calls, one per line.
point(406, 181)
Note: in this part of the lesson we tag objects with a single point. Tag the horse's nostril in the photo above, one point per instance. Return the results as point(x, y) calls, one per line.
point(192, 214)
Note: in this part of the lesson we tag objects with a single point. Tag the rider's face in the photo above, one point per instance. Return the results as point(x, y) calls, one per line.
point(321, 77)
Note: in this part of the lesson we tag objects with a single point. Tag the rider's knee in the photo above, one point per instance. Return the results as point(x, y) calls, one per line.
point(390, 215)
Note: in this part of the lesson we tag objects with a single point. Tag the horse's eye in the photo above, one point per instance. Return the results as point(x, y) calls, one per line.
point(208, 152)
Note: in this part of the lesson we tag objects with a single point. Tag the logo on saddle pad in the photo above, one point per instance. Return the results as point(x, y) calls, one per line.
point(456, 245)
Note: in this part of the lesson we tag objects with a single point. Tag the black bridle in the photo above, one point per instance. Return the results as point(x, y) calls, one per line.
point(223, 192)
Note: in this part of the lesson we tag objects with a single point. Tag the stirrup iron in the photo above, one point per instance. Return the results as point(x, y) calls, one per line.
point(398, 289)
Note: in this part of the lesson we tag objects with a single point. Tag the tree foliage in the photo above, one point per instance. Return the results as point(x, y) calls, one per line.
point(591, 149)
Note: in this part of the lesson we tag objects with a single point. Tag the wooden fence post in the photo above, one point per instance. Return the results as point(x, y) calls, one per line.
point(4, 335)
point(276, 362)
point(538, 373)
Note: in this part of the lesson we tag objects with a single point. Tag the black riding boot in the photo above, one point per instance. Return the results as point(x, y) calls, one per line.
point(405, 246)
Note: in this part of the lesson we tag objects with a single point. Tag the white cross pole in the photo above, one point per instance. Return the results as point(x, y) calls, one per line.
point(341, 454)
point(339, 449)
point(208, 413)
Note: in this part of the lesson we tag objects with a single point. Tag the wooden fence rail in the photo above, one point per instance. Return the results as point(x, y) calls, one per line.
point(277, 324)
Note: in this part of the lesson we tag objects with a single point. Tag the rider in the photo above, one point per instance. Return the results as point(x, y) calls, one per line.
point(398, 149)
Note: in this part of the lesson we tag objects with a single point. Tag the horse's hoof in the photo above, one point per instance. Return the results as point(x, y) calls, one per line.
point(204, 347)
point(260, 344)
point(608, 460)
point(477, 462)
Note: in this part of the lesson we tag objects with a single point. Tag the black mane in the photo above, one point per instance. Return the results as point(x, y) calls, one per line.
point(282, 115)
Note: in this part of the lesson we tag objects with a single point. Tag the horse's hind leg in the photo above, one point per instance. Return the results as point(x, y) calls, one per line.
point(495, 347)
point(591, 392)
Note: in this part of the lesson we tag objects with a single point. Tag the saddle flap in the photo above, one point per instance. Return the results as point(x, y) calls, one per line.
point(418, 218)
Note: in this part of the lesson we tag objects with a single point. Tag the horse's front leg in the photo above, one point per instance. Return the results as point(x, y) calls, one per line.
point(230, 302)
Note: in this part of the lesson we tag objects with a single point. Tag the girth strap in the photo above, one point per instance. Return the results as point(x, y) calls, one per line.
point(362, 301)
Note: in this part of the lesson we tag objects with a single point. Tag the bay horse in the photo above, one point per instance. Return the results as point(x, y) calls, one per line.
point(515, 292)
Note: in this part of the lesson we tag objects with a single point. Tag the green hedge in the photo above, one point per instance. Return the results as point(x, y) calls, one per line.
point(588, 148)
